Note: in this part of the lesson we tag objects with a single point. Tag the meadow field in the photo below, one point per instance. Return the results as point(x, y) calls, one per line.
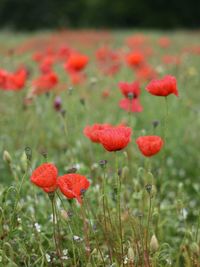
point(77, 187)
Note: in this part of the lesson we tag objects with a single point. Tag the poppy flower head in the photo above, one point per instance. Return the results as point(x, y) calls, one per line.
point(135, 59)
point(73, 185)
point(130, 105)
point(92, 132)
point(149, 145)
point(163, 87)
point(115, 138)
point(130, 88)
point(76, 62)
point(45, 177)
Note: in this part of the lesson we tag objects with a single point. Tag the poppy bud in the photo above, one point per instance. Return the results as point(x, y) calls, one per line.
point(154, 244)
point(131, 254)
point(63, 111)
point(7, 157)
point(72, 170)
point(103, 163)
point(82, 101)
point(125, 171)
point(28, 152)
point(195, 248)
point(119, 172)
point(155, 123)
point(148, 188)
point(24, 163)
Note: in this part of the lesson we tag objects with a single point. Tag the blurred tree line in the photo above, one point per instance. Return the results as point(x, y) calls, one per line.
point(31, 15)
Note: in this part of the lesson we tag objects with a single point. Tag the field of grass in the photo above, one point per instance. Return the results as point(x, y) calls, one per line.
point(158, 221)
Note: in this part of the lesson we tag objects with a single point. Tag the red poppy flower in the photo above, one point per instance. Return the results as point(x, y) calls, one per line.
point(45, 177)
point(163, 87)
point(115, 138)
point(76, 62)
point(135, 59)
point(130, 88)
point(130, 105)
point(149, 145)
point(164, 42)
point(73, 185)
point(145, 72)
point(92, 132)
point(44, 83)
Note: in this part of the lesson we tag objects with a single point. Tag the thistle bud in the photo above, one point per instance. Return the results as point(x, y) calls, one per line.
point(154, 243)
point(7, 157)
point(57, 103)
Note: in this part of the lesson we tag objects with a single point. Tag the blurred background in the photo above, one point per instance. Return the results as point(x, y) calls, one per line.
point(54, 14)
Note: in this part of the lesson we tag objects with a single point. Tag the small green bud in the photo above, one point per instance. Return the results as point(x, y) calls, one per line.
point(7, 157)
point(131, 254)
point(154, 244)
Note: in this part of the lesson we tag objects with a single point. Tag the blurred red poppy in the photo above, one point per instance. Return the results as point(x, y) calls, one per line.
point(135, 59)
point(130, 88)
point(149, 145)
point(163, 87)
point(92, 132)
point(45, 177)
point(115, 138)
point(44, 83)
point(164, 42)
point(76, 62)
point(73, 185)
point(131, 105)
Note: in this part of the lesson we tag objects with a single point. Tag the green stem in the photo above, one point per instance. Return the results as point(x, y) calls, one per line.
point(119, 208)
point(148, 224)
point(166, 118)
point(57, 243)
point(104, 213)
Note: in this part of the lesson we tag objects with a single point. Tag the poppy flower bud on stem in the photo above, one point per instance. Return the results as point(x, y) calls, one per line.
point(148, 188)
point(7, 157)
point(44, 153)
point(155, 123)
point(103, 163)
point(154, 244)
point(28, 152)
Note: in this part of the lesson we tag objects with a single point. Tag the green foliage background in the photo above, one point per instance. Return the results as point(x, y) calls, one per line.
point(31, 15)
